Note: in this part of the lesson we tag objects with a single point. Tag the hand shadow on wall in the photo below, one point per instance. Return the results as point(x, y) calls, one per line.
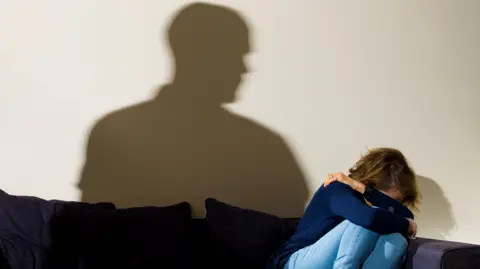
point(183, 145)
point(435, 218)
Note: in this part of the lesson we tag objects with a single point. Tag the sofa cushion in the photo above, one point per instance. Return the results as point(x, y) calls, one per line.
point(33, 231)
point(137, 238)
point(441, 254)
point(242, 238)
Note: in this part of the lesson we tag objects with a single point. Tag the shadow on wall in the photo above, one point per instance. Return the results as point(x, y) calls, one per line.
point(435, 218)
point(183, 145)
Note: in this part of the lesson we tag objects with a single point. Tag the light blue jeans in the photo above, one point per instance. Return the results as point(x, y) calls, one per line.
point(349, 246)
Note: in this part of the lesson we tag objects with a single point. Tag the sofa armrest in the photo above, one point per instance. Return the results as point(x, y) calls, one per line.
point(439, 254)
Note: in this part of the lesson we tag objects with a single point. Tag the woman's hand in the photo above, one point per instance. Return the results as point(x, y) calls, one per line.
point(341, 177)
point(412, 229)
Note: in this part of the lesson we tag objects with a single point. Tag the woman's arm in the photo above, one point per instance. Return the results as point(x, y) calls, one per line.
point(344, 203)
point(384, 201)
point(374, 196)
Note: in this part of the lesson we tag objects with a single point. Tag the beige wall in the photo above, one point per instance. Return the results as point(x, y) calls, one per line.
point(327, 79)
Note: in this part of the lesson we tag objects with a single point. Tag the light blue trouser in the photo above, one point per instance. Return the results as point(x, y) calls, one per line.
point(349, 246)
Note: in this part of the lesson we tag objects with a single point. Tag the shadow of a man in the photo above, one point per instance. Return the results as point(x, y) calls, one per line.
point(435, 219)
point(183, 145)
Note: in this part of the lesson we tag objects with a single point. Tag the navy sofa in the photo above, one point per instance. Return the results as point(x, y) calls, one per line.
point(40, 234)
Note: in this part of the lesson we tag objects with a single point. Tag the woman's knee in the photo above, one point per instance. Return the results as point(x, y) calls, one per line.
point(352, 227)
point(356, 245)
point(389, 252)
point(394, 244)
point(360, 235)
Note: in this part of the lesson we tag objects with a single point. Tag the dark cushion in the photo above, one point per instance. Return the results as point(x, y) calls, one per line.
point(63, 252)
point(136, 238)
point(242, 238)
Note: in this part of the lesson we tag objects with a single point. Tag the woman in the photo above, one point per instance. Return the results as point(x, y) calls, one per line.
point(359, 220)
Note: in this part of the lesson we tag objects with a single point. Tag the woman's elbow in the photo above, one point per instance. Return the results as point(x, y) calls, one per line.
point(365, 221)
point(370, 221)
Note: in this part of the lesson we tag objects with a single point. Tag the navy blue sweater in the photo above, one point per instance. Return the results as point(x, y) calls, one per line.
point(333, 204)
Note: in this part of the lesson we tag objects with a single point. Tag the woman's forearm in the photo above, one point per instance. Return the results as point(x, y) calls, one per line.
point(359, 186)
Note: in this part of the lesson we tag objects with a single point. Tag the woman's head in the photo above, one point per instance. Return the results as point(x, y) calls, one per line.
point(388, 170)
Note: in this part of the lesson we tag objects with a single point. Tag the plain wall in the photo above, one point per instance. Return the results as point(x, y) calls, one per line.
point(84, 117)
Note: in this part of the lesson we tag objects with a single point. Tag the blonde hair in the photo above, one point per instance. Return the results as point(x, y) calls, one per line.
point(386, 169)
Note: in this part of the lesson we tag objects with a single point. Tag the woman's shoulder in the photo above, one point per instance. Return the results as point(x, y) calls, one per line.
point(333, 189)
point(322, 198)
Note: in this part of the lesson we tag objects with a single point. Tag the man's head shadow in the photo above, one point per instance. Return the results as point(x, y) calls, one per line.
point(435, 219)
point(183, 145)
point(208, 44)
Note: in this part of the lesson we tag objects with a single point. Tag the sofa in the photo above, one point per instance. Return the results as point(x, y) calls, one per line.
point(36, 233)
